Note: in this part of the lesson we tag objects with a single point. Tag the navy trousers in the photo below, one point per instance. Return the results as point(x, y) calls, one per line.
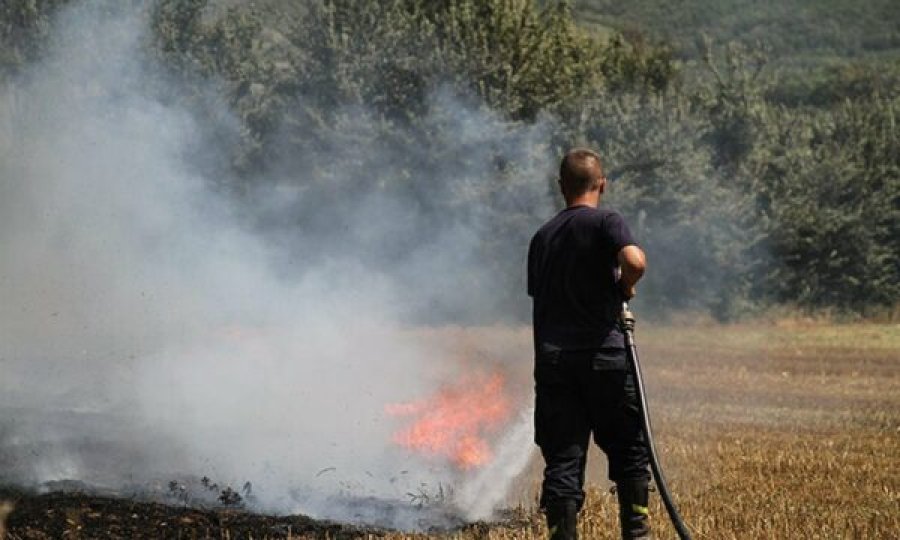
point(579, 393)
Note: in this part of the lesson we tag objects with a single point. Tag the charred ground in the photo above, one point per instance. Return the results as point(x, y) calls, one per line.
point(82, 515)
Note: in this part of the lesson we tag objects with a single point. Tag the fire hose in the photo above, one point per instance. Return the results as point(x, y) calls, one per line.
point(635, 366)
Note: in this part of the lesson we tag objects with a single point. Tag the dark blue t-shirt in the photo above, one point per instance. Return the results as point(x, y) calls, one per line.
point(572, 266)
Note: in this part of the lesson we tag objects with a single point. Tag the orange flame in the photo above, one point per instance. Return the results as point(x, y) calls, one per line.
point(453, 423)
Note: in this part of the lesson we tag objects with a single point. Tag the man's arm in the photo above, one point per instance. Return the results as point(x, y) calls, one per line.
point(633, 263)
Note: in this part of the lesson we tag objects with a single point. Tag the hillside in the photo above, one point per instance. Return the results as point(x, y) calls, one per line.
point(791, 29)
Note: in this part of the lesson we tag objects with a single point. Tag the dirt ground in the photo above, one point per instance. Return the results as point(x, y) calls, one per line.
point(788, 430)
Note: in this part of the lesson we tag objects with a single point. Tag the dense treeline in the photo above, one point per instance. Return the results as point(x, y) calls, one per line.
point(746, 190)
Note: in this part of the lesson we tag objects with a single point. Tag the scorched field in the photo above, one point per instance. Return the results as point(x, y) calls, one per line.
point(788, 430)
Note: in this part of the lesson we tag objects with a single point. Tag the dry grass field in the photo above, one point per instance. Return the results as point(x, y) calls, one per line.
point(787, 430)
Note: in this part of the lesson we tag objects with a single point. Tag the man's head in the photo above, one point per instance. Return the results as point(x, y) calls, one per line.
point(581, 175)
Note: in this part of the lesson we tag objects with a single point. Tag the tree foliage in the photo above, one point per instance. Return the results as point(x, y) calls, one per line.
point(24, 26)
point(749, 190)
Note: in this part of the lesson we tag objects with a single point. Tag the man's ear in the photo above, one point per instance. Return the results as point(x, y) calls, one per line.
point(601, 186)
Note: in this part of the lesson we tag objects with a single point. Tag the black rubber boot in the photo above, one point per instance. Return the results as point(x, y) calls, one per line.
point(562, 520)
point(633, 512)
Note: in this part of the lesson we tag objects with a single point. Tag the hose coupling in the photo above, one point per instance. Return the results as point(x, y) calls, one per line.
point(626, 319)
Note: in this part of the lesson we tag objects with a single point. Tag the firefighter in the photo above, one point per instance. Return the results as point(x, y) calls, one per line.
point(581, 265)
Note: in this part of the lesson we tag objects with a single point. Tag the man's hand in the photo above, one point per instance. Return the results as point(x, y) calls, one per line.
point(632, 263)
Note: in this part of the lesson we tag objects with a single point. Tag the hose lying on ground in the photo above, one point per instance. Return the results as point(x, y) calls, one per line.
point(628, 329)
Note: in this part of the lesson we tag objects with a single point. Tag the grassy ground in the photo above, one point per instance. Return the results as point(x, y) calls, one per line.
point(766, 431)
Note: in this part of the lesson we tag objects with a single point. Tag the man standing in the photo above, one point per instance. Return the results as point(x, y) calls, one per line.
point(581, 264)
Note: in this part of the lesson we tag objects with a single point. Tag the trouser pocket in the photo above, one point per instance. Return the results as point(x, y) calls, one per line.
point(554, 397)
point(610, 359)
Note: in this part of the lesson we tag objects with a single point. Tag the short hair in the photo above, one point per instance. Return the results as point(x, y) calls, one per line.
point(580, 171)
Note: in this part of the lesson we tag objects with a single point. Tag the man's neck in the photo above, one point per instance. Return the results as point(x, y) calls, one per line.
point(588, 199)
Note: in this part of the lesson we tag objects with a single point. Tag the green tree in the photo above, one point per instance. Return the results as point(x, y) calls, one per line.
point(24, 26)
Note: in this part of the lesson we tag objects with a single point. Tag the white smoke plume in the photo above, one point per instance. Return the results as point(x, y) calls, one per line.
point(147, 335)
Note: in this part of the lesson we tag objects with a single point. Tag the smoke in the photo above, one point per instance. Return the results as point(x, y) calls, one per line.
point(150, 330)
point(488, 488)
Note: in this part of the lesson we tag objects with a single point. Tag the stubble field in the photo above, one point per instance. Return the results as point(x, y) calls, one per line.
point(788, 430)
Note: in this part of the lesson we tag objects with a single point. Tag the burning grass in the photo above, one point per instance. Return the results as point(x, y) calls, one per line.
point(452, 423)
point(766, 431)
